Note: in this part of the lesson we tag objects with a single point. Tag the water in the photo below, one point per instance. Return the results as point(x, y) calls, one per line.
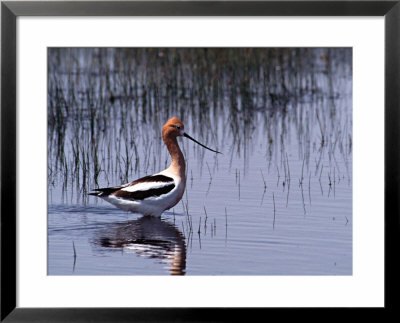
point(277, 202)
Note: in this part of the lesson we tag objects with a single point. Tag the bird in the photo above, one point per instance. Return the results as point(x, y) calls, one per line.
point(153, 194)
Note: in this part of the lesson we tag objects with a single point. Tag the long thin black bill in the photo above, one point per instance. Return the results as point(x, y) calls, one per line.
point(187, 136)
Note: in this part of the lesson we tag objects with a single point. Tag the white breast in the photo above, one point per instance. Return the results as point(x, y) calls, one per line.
point(153, 205)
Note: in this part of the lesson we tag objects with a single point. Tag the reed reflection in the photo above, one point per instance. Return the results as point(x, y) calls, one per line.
point(149, 237)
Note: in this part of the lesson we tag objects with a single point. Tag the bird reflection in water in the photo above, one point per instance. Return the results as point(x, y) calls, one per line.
point(150, 237)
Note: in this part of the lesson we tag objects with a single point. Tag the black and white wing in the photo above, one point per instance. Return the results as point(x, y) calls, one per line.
point(140, 189)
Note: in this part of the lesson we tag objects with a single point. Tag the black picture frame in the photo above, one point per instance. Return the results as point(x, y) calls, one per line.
point(10, 10)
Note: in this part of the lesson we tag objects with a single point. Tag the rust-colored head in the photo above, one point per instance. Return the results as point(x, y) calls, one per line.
point(173, 128)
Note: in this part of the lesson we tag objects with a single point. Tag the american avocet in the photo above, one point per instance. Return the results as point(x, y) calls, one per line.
point(153, 194)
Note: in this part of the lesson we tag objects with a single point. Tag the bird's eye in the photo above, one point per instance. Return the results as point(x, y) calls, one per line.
point(178, 127)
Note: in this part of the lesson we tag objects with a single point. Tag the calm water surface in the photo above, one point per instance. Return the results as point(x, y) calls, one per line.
point(278, 201)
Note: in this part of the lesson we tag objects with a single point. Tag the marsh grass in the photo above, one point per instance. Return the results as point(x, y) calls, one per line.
point(106, 107)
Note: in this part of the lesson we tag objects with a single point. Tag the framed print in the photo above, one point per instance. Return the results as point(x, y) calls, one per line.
point(250, 148)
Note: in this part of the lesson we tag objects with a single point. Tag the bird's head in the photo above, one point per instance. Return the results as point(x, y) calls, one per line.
point(174, 128)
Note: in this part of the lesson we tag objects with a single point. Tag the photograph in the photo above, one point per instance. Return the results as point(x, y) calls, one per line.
point(200, 161)
point(242, 154)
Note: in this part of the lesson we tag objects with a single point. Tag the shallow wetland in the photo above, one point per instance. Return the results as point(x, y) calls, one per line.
point(277, 201)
